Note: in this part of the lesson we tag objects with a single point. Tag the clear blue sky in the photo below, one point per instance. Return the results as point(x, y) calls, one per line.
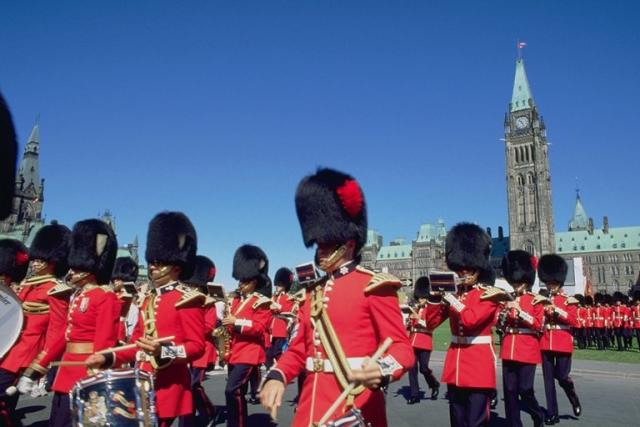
point(218, 108)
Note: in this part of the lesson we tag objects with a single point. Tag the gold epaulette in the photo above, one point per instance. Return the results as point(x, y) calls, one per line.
point(541, 299)
point(299, 296)
point(60, 289)
point(262, 300)
point(572, 301)
point(494, 294)
point(208, 301)
point(107, 288)
point(190, 296)
point(381, 281)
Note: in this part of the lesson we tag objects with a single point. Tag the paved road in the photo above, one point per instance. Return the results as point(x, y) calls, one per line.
point(610, 395)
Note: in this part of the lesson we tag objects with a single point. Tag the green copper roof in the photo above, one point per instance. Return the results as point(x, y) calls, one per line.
point(580, 220)
point(616, 239)
point(394, 252)
point(521, 89)
point(428, 232)
point(373, 238)
point(18, 233)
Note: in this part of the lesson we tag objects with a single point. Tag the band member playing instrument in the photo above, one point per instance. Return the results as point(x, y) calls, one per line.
point(347, 315)
point(469, 366)
point(14, 262)
point(520, 350)
point(282, 317)
point(124, 276)
point(248, 318)
point(556, 342)
point(92, 318)
point(421, 341)
point(171, 309)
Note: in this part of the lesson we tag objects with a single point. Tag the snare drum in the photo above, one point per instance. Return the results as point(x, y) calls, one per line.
point(116, 398)
point(353, 418)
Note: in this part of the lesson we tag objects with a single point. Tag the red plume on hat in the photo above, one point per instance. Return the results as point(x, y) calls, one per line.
point(14, 259)
point(331, 208)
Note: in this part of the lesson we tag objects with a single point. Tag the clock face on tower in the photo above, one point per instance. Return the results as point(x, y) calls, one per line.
point(522, 122)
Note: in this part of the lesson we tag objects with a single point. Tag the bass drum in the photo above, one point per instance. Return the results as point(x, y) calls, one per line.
point(115, 398)
point(11, 319)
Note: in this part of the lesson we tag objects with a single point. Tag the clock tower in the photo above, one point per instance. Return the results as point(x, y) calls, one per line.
point(531, 224)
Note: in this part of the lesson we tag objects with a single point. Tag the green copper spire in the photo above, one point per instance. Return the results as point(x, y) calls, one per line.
point(580, 220)
point(522, 97)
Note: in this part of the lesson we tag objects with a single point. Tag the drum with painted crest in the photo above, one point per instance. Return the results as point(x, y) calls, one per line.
point(115, 398)
point(352, 418)
point(11, 319)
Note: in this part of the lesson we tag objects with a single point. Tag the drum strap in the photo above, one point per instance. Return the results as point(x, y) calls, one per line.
point(331, 344)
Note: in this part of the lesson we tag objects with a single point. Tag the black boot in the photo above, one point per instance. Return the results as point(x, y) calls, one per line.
point(552, 420)
point(570, 389)
point(413, 400)
point(435, 391)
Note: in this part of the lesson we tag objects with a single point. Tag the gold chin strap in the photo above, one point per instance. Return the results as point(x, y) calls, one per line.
point(162, 273)
point(329, 264)
point(78, 277)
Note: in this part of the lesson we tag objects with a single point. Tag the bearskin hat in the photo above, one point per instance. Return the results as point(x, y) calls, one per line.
point(14, 259)
point(266, 289)
point(93, 249)
point(51, 243)
point(422, 288)
point(544, 292)
point(618, 296)
point(552, 268)
point(250, 262)
point(172, 240)
point(636, 296)
point(469, 246)
point(588, 300)
point(204, 272)
point(598, 298)
point(517, 267)
point(125, 269)
point(284, 278)
point(607, 299)
point(8, 156)
point(331, 209)
point(580, 298)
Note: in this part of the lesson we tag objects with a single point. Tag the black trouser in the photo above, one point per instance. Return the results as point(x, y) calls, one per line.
point(590, 337)
point(618, 331)
point(7, 403)
point(254, 382)
point(517, 381)
point(422, 359)
point(468, 407)
point(237, 382)
point(60, 410)
point(557, 366)
point(627, 335)
point(601, 338)
point(274, 352)
point(203, 409)
point(638, 336)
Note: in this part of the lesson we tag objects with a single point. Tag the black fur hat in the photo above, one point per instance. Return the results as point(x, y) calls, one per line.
point(203, 273)
point(469, 246)
point(172, 240)
point(93, 249)
point(619, 296)
point(125, 269)
point(598, 298)
point(284, 277)
point(636, 296)
point(331, 208)
point(8, 157)
point(517, 267)
point(250, 262)
point(580, 298)
point(14, 260)
point(588, 300)
point(265, 286)
point(422, 288)
point(52, 243)
point(608, 299)
point(552, 268)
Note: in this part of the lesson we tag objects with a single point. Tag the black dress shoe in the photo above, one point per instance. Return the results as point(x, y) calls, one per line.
point(253, 400)
point(435, 391)
point(552, 420)
point(413, 401)
point(577, 409)
point(493, 403)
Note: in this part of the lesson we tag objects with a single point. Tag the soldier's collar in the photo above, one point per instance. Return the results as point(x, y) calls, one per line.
point(36, 280)
point(168, 287)
point(344, 269)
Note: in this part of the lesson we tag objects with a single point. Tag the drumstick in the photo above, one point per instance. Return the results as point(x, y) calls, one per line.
point(385, 345)
point(130, 346)
point(67, 363)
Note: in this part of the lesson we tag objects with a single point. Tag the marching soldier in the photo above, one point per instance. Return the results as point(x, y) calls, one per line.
point(619, 317)
point(580, 331)
point(421, 341)
point(347, 316)
point(281, 308)
point(590, 334)
point(247, 321)
point(124, 276)
point(557, 342)
point(520, 350)
point(92, 318)
point(599, 321)
point(171, 310)
point(635, 315)
point(469, 366)
point(14, 262)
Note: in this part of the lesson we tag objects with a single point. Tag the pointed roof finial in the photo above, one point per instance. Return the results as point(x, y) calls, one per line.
point(580, 220)
point(521, 97)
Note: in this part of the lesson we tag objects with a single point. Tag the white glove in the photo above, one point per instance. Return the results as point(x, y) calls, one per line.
point(454, 302)
point(25, 385)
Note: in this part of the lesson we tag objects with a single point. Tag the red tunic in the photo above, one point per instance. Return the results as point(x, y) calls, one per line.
point(589, 317)
point(281, 309)
point(600, 315)
point(635, 314)
point(619, 315)
point(361, 320)
point(581, 314)
point(91, 325)
point(45, 302)
point(421, 336)
point(248, 334)
point(210, 354)
point(470, 361)
point(520, 342)
point(558, 321)
point(172, 310)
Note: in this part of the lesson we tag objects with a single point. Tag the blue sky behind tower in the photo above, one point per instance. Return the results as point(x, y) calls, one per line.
point(218, 108)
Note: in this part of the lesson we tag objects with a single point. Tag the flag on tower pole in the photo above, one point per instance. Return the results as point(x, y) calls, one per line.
point(521, 45)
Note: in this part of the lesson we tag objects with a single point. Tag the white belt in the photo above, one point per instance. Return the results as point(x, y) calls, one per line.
point(559, 327)
point(326, 366)
point(521, 331)
point(481, 339)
